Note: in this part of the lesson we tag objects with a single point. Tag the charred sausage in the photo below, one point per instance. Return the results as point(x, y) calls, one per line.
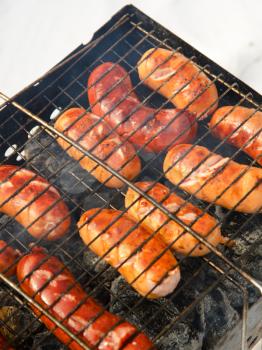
point(8, 259)
point(44, 215)
point(153, 219)
point(216, 174)
point(227, 119)
point(121, 242)
point(121, 156)
point(122, 109)
point(179, 79)
point(53, 286)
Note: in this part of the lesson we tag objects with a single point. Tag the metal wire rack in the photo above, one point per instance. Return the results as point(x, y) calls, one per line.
point(29, 136)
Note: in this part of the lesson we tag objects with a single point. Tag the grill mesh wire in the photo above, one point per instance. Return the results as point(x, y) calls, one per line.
point(133, 41)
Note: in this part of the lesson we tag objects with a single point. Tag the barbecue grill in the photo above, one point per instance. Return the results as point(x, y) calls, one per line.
point(217, 304)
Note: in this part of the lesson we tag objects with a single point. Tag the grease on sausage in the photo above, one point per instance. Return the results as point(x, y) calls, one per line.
point(47, 215)
point(121, 108)
point(121, 156)
point(122, 250)
point(215, 174)
point(153, 219)
point(56, 290)
point(229, 118)
point(179, 79)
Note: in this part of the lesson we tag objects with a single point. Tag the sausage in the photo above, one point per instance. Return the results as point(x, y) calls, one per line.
point(153, 219)
point(122, 109)
point(179, 79)
point(229, 118)
point(215, 174)
point(79, 126)
point(4, 344)
point(56, 290)
point(18, 187)
point(118, 245)
point(8, 259)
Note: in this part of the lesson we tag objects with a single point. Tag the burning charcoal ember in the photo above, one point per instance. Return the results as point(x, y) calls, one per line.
point(155, 315)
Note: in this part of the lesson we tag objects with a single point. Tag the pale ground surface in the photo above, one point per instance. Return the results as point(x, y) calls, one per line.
point(36, 34)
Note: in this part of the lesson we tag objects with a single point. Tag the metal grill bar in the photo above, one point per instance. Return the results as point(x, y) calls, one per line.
point(143, 194)
point(90, 155)
point(94, 191)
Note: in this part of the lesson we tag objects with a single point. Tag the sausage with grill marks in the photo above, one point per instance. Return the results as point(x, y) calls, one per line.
point(216, 174)
point(8, 259)
point(178, 79)
point(120, 243)
point(229, 118)
point(122, 109)
point(153, 219)
point(52, 285)
point(32, 201)
point(108, 146)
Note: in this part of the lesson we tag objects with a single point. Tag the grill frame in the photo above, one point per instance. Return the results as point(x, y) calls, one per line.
point(22, 97)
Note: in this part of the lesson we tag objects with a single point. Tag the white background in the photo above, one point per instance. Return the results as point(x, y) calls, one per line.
point(36, 34)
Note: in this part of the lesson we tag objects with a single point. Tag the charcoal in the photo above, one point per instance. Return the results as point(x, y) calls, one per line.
point(153, 316)
point(106, 275)
point(92, 261)
point(15, 317)
point(44, 154)
point(74, 180)
point(92, 201)
point(220, 317)
point(14, 233)
point(47, 341)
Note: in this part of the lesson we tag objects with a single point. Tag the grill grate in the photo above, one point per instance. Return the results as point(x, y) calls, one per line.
point(227, 270)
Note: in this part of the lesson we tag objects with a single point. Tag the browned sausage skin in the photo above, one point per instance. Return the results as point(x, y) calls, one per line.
point(8, 259)
point(153, 219)
point(116, 238)
point(216, 174)
point(91, 132)
point(178, 79)
point(110, 95)
point(244, 123)
point(56, 290)
point(47, 216)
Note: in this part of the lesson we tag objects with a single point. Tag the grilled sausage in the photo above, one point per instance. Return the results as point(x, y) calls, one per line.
point(4, 344)
point(53, 286)
point(120, 245)
point(21, 197)
point(154, 219)
point(8, 259)
point(230, 118)
point(216, 174)
point(122, 109)
point(79, 126)
point(179, 79)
